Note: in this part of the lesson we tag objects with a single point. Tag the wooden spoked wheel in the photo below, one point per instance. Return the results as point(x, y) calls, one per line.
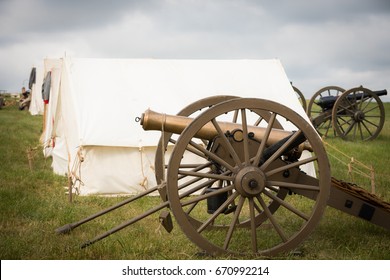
point(243, 179)
point(320, 115)
point(301, 98)
point(193, 110)
point(358, 115)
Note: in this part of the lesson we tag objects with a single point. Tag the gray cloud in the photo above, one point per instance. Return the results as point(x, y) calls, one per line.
point(42, 17)
point(343, 42)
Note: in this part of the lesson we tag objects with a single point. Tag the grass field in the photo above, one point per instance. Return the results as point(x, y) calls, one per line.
point(33, 204)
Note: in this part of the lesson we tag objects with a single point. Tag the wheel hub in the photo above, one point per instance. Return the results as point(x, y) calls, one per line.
point(250, 181)
point(359, 116)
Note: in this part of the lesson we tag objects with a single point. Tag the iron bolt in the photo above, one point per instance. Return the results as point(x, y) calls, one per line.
point(253, 184)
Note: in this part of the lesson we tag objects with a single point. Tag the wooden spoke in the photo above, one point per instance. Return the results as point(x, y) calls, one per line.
point(212, 156)
point(245, 136)
point(287, 205)
point(272, 219)
point(263, 143)
point(291, 165)
point(220, 209)
point(293, 186)
point(233, 223)
point(226, 143)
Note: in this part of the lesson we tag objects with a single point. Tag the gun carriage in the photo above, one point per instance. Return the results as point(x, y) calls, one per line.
point(355, 114)
point(245, 176)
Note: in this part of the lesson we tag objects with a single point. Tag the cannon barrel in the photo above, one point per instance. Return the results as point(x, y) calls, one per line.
point(327, 102)
point(151, 120)
point(380, 92)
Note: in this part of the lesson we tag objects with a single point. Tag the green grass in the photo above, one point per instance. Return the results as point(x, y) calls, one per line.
point(33, 204)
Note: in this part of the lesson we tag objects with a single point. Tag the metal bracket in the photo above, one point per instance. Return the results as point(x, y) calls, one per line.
point(166, 220)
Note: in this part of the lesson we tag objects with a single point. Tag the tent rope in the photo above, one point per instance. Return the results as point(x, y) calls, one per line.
point(144, 181)
point(32, 152)
point(353, 165)
point(74, 176)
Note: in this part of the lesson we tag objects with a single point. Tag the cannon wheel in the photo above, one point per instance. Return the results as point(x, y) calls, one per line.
point(301, 98)
point(357, 118)
point(251, 184)
point(322, 120)
point(193, 109)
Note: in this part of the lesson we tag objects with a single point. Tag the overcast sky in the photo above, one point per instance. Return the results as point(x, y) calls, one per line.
point(320, 43)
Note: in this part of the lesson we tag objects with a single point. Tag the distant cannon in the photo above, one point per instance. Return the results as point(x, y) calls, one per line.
point(355, 114)
point(236, 181)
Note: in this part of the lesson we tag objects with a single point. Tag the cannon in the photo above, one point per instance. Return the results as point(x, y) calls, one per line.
point(355, 114)
point(245, 176)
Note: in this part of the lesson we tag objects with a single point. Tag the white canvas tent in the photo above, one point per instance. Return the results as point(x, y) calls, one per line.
point(91, 131)
point(36, 105)
point(52, 137)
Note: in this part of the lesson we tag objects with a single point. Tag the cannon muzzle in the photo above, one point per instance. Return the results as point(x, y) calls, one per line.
point(151, 120)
